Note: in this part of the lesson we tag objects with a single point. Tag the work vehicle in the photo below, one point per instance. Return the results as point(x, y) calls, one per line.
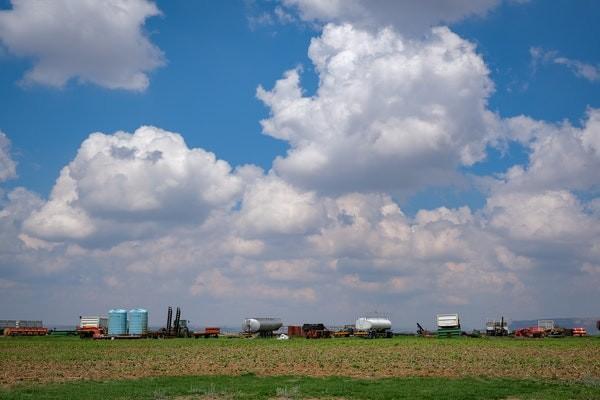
point(92, 326)
point(448, 325)
point(174, 329)
point(496, 328)
point(316, 331)
point(373, 327)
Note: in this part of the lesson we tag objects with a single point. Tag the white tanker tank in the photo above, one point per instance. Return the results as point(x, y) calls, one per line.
point(261, 325)
point(376, 324)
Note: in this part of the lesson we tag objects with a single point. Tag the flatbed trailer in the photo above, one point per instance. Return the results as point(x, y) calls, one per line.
point(342, 334)
point(373, 334)
point(209, 332)
point(63, 332)
point(26, 331)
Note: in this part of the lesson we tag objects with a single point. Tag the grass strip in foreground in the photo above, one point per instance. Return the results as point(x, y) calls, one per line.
point(282, 387)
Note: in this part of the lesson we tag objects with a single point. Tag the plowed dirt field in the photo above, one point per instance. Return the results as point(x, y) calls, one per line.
point(43, 360)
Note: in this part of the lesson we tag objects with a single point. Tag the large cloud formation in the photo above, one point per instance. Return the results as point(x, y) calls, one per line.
point(133, 182)
point(101, 42)
point(417, 108)
point(409, 17)
point(323, 235)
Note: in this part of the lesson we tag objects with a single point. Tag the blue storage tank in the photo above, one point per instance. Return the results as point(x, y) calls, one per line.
point(117, 322)
point(138, 321)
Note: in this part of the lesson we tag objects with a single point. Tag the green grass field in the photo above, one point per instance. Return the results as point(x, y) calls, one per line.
point(54, 367)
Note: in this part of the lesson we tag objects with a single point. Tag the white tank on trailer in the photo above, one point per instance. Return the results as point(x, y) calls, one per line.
point(373, 324)
point(255, 325)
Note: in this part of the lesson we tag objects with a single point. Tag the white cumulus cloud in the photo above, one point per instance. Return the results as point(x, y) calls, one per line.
point(561, 156)
point(389, 115)
point(96, 41)
point(325, 225)
point(8, 167)
point(412, 17)
point(119, 179)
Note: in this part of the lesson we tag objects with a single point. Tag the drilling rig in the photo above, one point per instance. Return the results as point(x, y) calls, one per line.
point(174, 329)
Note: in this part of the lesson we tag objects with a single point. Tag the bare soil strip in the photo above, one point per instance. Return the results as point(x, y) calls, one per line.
point(59, 360)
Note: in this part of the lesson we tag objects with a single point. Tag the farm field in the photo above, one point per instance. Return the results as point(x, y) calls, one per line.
point(336, 368)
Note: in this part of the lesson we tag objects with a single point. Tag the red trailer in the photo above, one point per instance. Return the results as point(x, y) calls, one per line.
point(531, 332)
point(579, 331)
point(208, 332)
point(26, 331)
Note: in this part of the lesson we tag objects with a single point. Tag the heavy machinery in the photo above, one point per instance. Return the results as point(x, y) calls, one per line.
point(174, 329)
point(422, 331)
point(92, 327)
point(373, 327)
point(496, 328)
point(316, 331)
point(22, 328)
point(26, 331)
point(531, 332)
point(448, 325)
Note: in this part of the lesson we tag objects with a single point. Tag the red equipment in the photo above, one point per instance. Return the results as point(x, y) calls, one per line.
point(316, 331)
point(294, 330)
point(25, 331)
point(208, 332)
point(92, 327)
point(579, 332)
point(91, 332)
point(531, 332)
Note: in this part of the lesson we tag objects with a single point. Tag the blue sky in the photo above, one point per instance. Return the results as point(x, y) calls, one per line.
point(513, 167)
point(217, 58)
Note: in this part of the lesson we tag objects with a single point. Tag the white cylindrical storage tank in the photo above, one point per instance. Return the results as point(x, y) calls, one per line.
point(254, 325)
point(373, 324)
point(117, 322)
point(138, 321)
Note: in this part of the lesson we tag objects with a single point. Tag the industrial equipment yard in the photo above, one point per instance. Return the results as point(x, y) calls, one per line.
point(54, 367)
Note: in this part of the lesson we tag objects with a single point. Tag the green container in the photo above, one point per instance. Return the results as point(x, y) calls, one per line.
point(448, 332)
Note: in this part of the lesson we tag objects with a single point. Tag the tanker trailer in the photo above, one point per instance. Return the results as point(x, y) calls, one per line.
point(264, 327)
point(373, 327)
